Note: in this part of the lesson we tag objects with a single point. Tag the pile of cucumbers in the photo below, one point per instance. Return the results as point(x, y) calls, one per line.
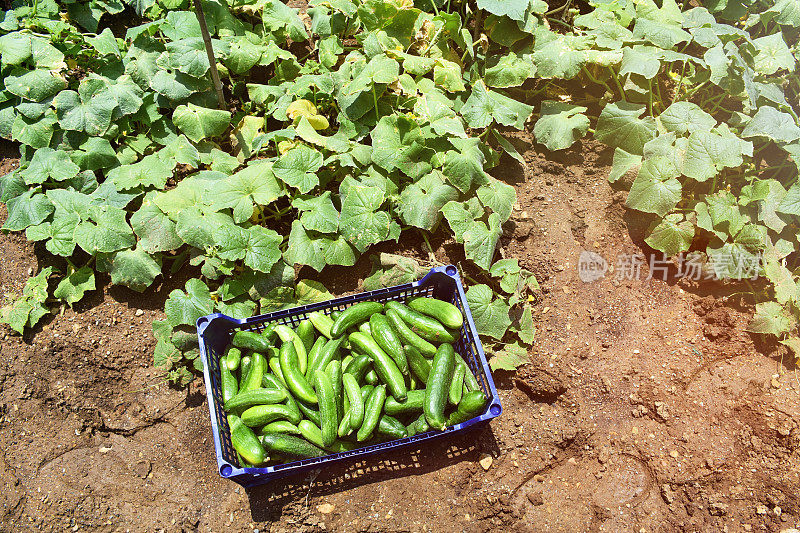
point(371, 373)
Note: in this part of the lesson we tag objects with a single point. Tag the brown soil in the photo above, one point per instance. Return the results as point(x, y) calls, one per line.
point(645, 407)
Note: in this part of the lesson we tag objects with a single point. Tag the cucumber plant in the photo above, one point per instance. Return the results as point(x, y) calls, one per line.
point(356, 121)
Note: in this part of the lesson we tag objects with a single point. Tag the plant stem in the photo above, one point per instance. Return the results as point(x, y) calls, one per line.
point(619, 85)
point(650, 96)
point(375, 100)
point(201, 18)
point(680, 83)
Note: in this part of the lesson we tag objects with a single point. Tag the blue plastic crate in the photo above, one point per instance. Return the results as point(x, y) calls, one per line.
point(216, 330)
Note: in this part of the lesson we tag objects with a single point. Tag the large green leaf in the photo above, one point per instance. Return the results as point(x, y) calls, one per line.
point(49, 164)
point(773, 124)
point(318, 213)
point(490, 314)
point(156, 231)
point(89, 110)
point(361, 222)
point(151, 171)
point(199, 123)
point(620, 125)
point(185, 307)
point(257, 247)
point(253, 185)
point(421, 202)
point(484, 106)
point(106, 231)
point(298, 168)
point(560, 125)
point(772, 54)
point(671, 235)
point(655, 189)
point(72, 288)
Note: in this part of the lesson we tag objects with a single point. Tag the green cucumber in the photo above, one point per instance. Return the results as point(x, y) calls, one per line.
point(470, 382)
point(391, 427)
point(295, 380)
point(275, 366)
point(345, 427)
point(251, 340)
point(328, 418)
point(328, 353)
point(258, 415)
point(354, 315)
point(322, 322)
point(255, 373)
point(250, 398)
point(385, 367)
point(313, 356)
point(305, 330)
point(420, 367)
point(245, 441)
point(228, 382)
point(371, 377)
point(365, 392)
point(359, 366)
point(311, 432)
point(457, 385)
point(438, 386)
point(276, 382)
point(420, 425)
point(409, 337)
point(445, 312)
point(365, 328)
point(334, 371)
point(280, 426)
point(471, 405)
point(232, 358)
point(423, 325)
point(340, 446)
point(388, 339)
point(287, 334)
point(335, 315)
point(290, 445)
point(244, 368)
point(372, 413)
point(309, 412)
point(412, 404)
point(356, 410)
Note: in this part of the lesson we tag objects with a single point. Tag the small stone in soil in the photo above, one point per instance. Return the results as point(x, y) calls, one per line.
point(535, 498)
point(325, 508)
point(486, 461)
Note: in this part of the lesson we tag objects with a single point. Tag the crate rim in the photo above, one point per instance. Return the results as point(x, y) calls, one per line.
point(256, 476)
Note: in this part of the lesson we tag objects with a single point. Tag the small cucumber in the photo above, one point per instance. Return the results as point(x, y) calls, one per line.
point(287, 334)
point(244, 368)
point(255, 373)
point(258, 415)
point(388, 339)
point(425, 326)
point(438, 386)
point(245, 441)
point(371, 377)
point(359, 366)
point(280, 426)
point(228, 382)
point(420, 367)
point(305, 330)
point(345, 427)
point(322, 322)
point(372, 413)
point(290, 445)
point(328, 419)
point(354, 315)
point(420, 425)
point(275, 366)
point(251, 340)
point(470, 382)
point(276, 383)
point(365, 392)
point(471, 405)
point(457, 384)
point(334, 371)
point(328, 353)
point(391, 427)
point(365, 327)
point(295, 380)
point(335, 315)
point(311, 432)
point(409, 337)
point(356, 410)
point(412, 404)
point(385, 367)
point(313, 356)
point(232, 358)
point(445, 312)
point(309, 412)
point(249, 398)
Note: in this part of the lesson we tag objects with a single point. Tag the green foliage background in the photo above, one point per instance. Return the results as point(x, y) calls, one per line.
point(355, 121)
